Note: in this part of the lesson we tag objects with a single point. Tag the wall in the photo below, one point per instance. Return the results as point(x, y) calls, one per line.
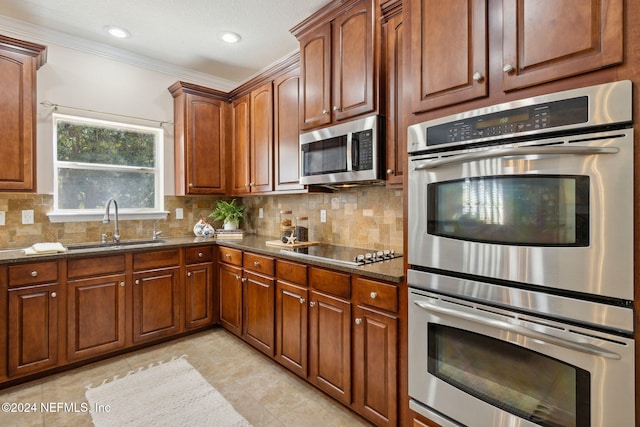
point(367, 217)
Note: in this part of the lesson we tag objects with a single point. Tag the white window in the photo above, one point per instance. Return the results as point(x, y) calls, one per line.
point(95, 160)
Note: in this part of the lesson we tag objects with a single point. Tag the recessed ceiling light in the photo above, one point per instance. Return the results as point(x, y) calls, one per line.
point(229, 37)
point(118, 32)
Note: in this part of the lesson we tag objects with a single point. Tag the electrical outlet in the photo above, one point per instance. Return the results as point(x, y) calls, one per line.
point(27, 216)
point(179, 213)
point(3, 217)
point(323, 215)
point(260, 213)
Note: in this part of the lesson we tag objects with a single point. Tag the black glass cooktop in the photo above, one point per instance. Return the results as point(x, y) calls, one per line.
point(344, 254)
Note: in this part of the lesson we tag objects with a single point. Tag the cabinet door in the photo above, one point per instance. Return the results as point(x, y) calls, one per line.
point(353, 62)
point(449, 52)
point(156, 304)
point(17, 113)
point(32, 329)
point(258, 326)
point(394, 67)
point(204, 157)
point(375, 349)
point(199, 301)
point(330, 345)
point(230, 288)
point(286, 131)
point(240, 146)
point(291, 327)
point(261, 136)
point(315, 78)
point(546, 40)
point(95, 316)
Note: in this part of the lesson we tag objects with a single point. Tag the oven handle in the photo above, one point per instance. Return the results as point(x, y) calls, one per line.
point(562, 342)
point(517, 151)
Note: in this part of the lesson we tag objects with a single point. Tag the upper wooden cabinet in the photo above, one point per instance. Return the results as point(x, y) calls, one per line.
point(338, 62)
point(199, 134)
point(541, 42)
point(241, 160)
point(19, 61)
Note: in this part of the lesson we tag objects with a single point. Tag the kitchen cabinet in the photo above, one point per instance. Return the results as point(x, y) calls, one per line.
point(19, 61)
point(330, 333)
point(291, 309)
point(286, 130)
point(393, 70)
point(32, 327)
point(375, 351)
point(338, 63)
point(451, 54)
point(200, 307)
point(258, 327)
point(200, 116)
point(156, 295)
point(96, 311)
point(241, 146)
point(230, 289)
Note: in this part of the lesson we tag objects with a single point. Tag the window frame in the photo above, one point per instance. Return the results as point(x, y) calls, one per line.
point(96, 214)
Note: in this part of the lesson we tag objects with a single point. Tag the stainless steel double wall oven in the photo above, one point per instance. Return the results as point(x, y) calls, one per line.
point(520, 252)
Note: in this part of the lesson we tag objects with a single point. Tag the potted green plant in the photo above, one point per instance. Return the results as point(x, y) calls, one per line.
point(229, 213)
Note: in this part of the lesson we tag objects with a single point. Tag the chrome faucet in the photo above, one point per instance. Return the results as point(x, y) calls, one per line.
point(107, 220)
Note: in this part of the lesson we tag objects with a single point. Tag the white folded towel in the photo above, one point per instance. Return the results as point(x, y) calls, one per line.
point(45, 248)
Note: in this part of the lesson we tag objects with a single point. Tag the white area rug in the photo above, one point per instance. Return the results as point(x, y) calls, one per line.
point(165, 394)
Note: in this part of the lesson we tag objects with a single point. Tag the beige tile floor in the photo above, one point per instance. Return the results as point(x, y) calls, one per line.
point(262, 391)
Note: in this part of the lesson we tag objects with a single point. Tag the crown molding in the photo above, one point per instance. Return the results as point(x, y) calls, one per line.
point(21, 29)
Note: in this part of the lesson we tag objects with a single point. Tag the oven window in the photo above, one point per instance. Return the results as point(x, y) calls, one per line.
point(525, 383)
point(526, 210)
point(326, 156)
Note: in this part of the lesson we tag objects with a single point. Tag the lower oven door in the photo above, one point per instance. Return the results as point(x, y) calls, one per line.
point(476, 365)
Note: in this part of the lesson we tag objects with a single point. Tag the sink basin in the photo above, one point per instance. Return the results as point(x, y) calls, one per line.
point(113, 245)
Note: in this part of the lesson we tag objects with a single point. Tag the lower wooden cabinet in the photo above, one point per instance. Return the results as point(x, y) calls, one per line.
point(258, 312)
point(32, 329)
point(156, 304)
point(291, 326)
point(230, 297)
point(330, 345)
point(199, 300)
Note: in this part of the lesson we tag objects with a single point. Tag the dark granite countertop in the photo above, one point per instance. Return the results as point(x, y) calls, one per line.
point(390, 270)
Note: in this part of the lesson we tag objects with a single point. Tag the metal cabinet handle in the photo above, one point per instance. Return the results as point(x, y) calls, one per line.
point(251, 184)
point(312, 304)
point(373, 295)
point(191, 184)
point(256, 263)
point(302, 300)
point(54, 294)
point(508, 68)
point(325, 112)
point(200, 254)
point(389, 171)
point(477, 76)
point(237, 277)
point(358, 321)
point(335, 108)
point(34, 273)
point(227, 255)
point(122, 284)
point(244, 279)
point(137, 281)
point(189, 274)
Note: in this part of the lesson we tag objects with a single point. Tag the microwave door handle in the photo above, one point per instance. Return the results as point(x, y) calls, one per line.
point(516, 151)
point(349, 148)
point(522, 330)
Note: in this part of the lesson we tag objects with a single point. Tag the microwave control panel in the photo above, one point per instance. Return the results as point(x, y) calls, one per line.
point(362, 150)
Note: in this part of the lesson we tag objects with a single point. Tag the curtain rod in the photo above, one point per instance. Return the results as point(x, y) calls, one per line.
point(50, 104)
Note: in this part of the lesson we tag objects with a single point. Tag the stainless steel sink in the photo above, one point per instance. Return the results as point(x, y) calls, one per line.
point(115, 245)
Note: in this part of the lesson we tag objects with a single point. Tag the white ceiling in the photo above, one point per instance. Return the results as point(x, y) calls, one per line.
point(181, 35)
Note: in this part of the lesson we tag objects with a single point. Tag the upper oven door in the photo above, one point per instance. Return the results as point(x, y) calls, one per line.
point(556, 213)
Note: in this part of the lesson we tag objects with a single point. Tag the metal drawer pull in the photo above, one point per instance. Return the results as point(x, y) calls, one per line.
point(34, 274)
point(227, 255)
point(516, 151)
point(200, 254)
point(137, 282)
point(189, 274)
point(302, 300)
point(358, 321)
point(373, 295)
point(53, 294)
point(521, 330)
point(256, 263)
point(312, 304)
point(122, 284)
point(237, 277)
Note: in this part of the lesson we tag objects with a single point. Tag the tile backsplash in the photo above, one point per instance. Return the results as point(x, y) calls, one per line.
point(366, 217)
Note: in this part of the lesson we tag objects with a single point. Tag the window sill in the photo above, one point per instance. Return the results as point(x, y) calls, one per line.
point(97, 216)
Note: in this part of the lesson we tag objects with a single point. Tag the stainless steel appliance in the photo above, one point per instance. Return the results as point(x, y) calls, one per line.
point(520, 253)
point(349, 152)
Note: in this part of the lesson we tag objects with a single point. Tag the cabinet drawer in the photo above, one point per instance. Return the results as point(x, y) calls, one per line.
point(38, 272)
point(156, 259)
point(198, 254)
point(291, 272)
point(259, 264)
point(95, 266)
point(331, 282)
point(376, 294)
point(230, 256)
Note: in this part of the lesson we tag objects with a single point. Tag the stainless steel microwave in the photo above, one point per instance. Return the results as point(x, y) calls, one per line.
point(349, 152)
